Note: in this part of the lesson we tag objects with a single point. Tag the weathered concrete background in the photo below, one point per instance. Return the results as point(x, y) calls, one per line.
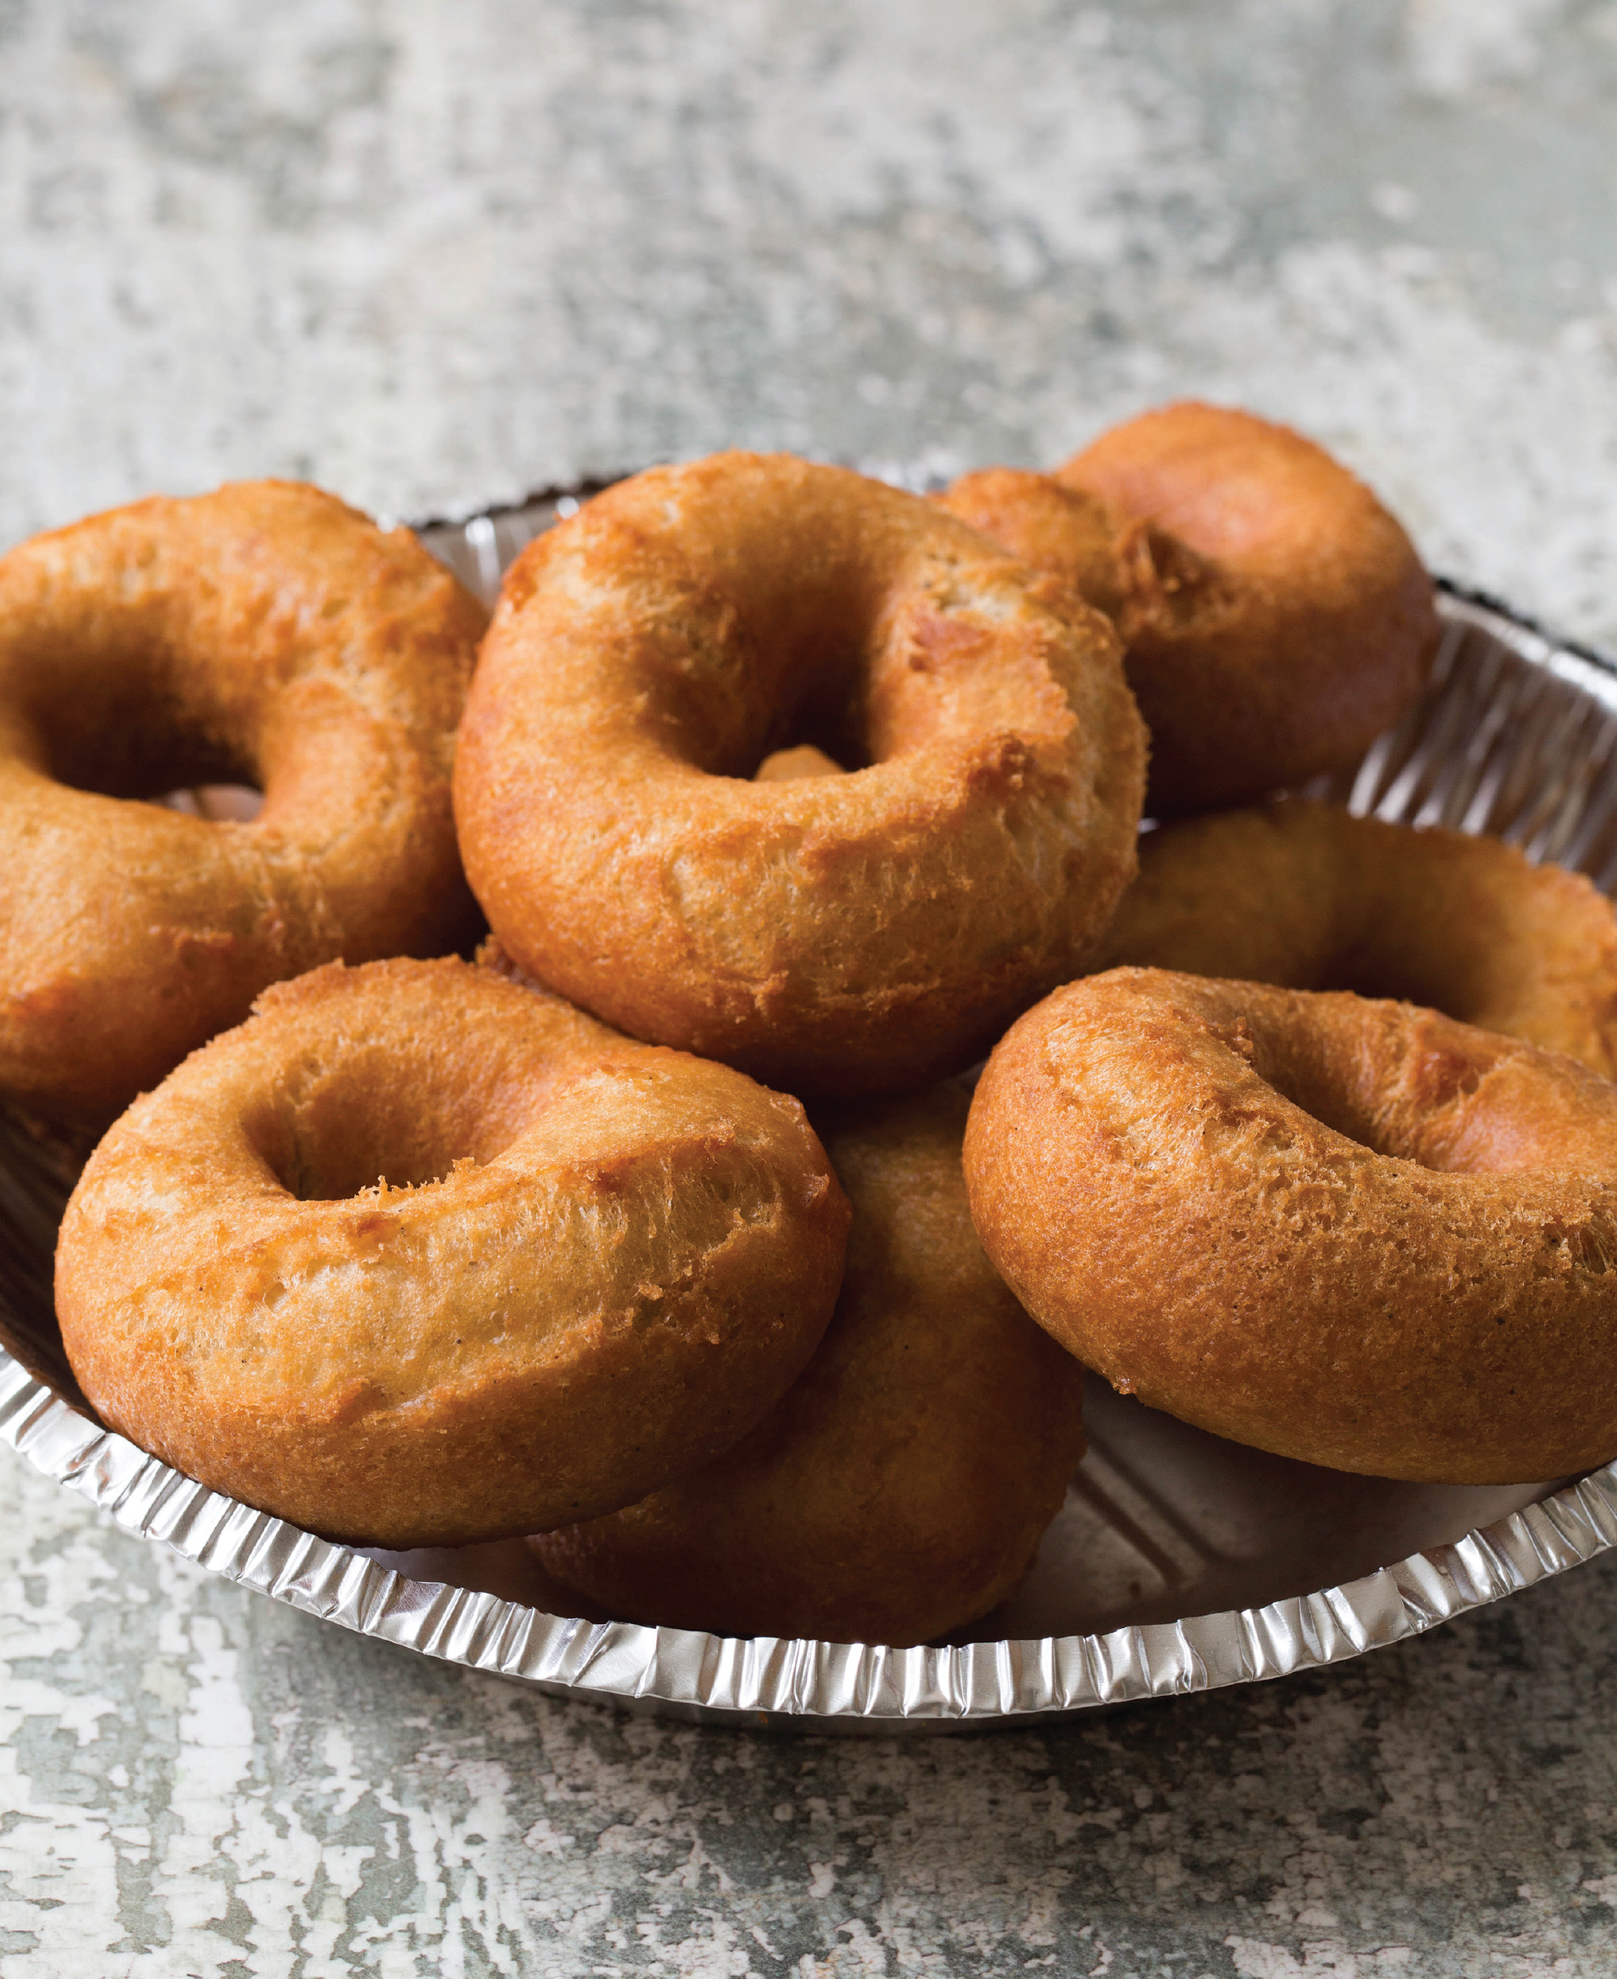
point(200, 1782)
point(435, 255)
point(432, 254)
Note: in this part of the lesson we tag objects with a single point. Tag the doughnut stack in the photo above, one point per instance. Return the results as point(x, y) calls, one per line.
point(662, 1228)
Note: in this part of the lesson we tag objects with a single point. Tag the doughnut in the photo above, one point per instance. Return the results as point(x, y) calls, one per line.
point(1340, 1229)
point(1307, 896)
point(838, 933)
point(416, 1256)
point(264, 634)
point(789, 765)
point(900, 1486)
point(1275, 617)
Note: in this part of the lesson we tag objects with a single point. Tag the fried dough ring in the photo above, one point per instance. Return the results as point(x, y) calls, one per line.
point(850, 933)
point(900, 1486)
point(265, 633)
point(1347, 1231)
point(1307, 896)
point(592, 1264)
point(1276, 617)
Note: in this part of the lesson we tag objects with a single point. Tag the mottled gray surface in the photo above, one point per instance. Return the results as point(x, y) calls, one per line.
point(433, 255)
point(205, 1783)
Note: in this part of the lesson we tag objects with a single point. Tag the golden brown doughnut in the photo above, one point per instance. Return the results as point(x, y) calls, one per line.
point(1276, 617)
point(1348, 1231)
point(900, 1486)
point(791, 765)
point(1308, 897)
point(591, 1265)
point(834, 933)
point(264, 634)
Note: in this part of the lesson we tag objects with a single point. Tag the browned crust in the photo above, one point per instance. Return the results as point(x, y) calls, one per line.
point(628, 1258)
point(1306, 896)
point(265, 633)
point(1276, 617)
point(900, 1487)
point(1348, 1231)
point(838, 933)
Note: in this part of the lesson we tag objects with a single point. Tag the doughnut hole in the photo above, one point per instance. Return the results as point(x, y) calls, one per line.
point(178, 767)
point(393, 1115)
point(727, 674)
point(1456, 1100)
point(118, 710)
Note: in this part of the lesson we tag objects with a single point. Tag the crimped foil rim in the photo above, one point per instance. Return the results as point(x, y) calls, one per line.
point(826, 1686)
point(770, 1680)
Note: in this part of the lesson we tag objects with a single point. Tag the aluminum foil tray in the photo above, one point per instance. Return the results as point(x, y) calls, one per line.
point(1179, 1562)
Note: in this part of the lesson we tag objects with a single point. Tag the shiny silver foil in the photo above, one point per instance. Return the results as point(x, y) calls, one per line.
point(1179, 1562)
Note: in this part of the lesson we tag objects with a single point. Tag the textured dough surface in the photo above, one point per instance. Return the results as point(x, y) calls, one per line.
point(1349, 1231)
point(265, 634)
point(1275, 616)
point(900, 1487)
point(1307, 896)
point(843, 933)
point(591, 1266)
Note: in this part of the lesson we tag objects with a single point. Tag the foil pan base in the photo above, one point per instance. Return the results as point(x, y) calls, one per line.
point(1178, 1563)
